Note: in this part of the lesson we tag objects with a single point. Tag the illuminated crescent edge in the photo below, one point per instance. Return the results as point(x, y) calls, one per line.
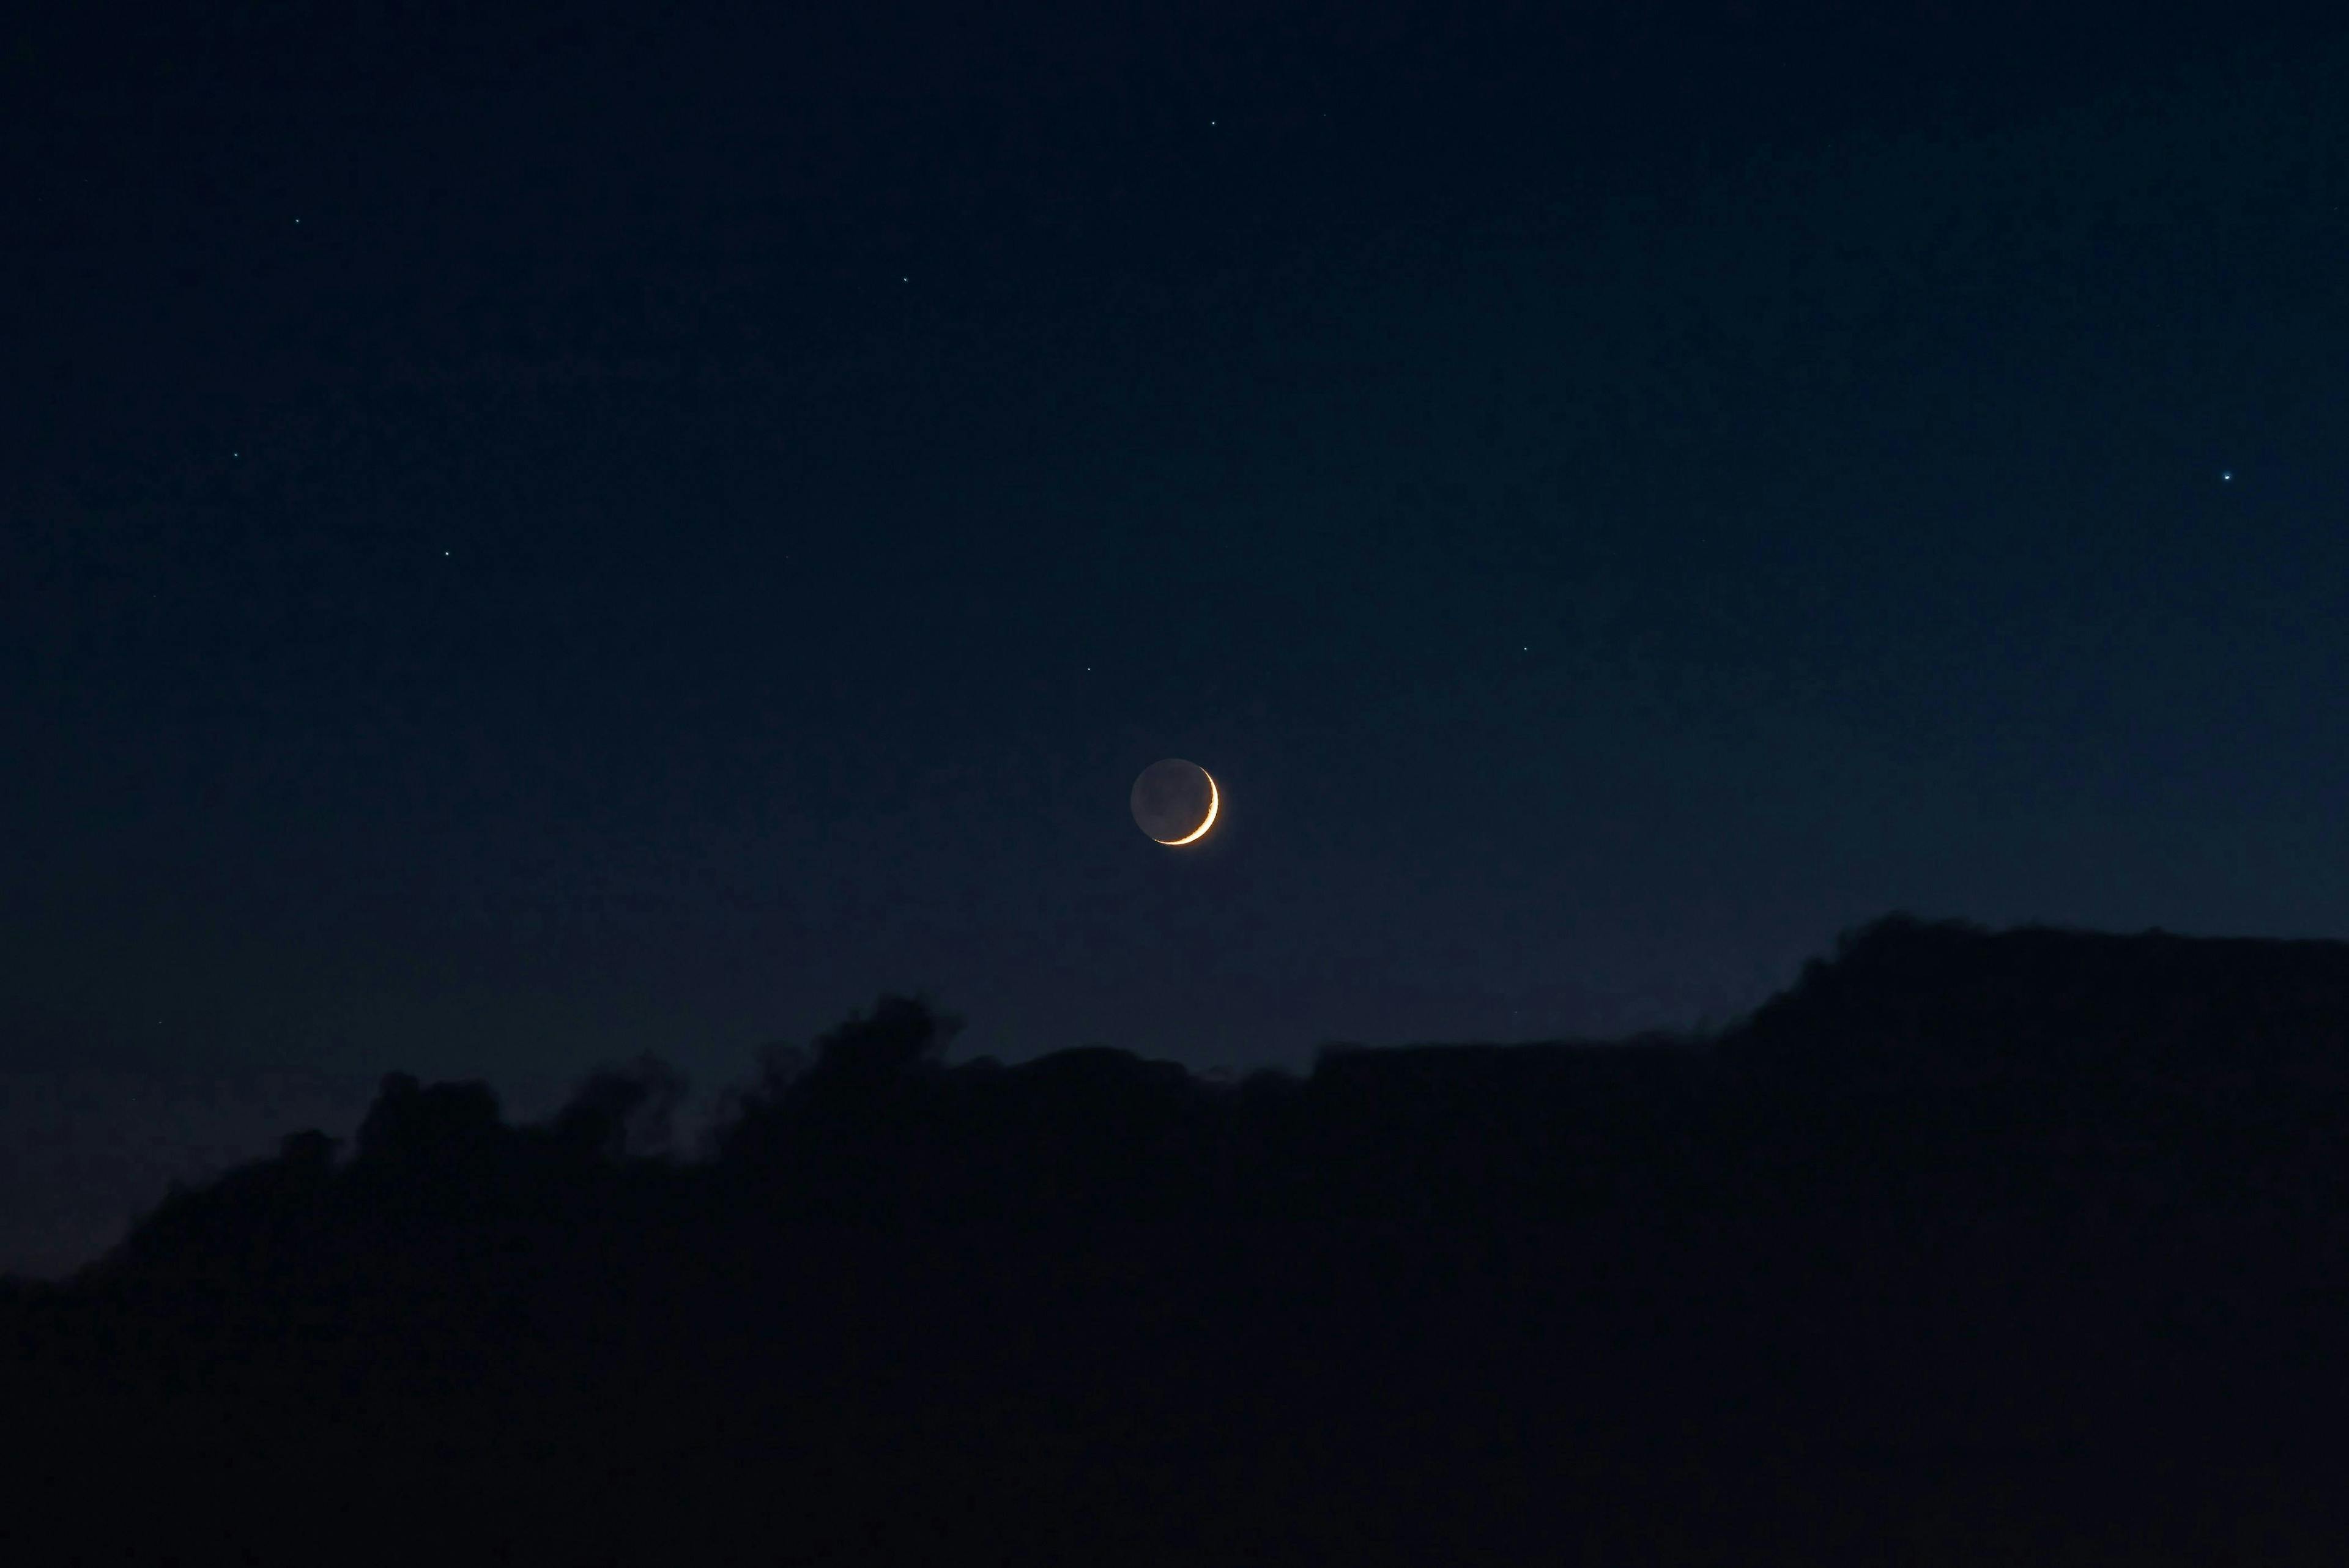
point(1215, 803)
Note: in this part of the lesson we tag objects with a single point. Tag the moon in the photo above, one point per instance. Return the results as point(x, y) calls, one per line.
point(1175, 803)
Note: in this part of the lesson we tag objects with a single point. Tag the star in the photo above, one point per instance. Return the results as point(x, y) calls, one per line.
point(2225, 476)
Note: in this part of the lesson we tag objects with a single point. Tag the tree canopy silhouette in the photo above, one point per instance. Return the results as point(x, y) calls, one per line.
point(2033, 1195)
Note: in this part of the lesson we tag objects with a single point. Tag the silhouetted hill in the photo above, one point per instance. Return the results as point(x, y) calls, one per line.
point(1912, 999)
point(1968, 1246)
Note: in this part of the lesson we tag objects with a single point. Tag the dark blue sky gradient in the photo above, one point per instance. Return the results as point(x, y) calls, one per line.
point(699, 522)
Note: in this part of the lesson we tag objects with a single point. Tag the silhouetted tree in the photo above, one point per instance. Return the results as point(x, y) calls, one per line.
point(900, 1038)
point(853, 1071)
point(446, 1123)
point(622, 1111)
point(309, 1155)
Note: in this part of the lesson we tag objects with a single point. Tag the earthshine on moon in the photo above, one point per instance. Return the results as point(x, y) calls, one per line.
point(1175, 803)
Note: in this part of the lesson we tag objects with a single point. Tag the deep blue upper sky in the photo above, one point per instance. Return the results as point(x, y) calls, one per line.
point(534, 540)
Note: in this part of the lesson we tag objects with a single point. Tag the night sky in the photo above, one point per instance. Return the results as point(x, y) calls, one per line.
point(532, 537)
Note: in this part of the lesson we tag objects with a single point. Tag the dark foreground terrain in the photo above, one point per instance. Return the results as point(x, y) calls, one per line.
point(1968, 1248)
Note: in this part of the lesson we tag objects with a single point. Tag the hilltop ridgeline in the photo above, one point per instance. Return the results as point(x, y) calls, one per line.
point(2038, 1193)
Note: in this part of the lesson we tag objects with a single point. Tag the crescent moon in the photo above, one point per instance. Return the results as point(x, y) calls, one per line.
point(1215, 803)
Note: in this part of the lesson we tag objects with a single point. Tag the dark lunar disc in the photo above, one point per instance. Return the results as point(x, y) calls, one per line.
point(1173, 799)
